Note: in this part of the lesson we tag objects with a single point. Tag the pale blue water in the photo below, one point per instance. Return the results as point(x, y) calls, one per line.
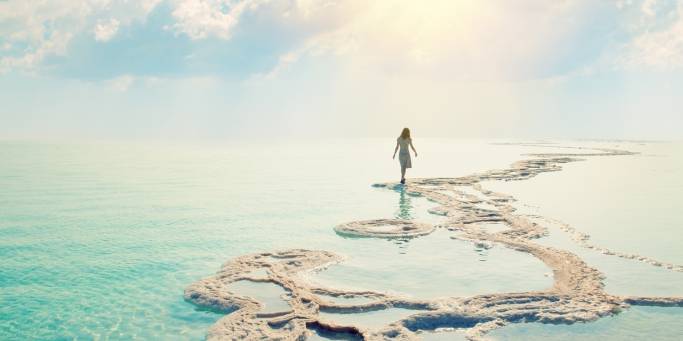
point(435, 266)
point(628, 204)
point(625, 203)
point(375, 319)
point(637, 323)
point(98, 241)
point(271, 296)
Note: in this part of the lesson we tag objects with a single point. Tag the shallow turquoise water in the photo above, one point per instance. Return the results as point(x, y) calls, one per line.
point(435, 266)
point(270, 295)
point(99, 240)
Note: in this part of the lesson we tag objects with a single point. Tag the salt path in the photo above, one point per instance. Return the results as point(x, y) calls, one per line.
point(577, 293)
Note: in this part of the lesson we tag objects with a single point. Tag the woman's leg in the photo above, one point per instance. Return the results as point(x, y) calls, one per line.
point(403, 172)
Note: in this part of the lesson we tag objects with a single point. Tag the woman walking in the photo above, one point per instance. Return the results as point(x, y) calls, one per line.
point(403, 142)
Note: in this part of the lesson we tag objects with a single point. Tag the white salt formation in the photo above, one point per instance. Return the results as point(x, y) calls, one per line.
point(384, 228)
point(577, 294)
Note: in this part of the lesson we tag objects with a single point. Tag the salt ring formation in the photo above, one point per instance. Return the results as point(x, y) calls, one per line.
point(384, 228)
point(577, 293)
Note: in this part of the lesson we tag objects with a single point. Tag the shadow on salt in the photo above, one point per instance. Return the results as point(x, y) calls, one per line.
point(432, 266)
point(486, 206)
point(636, 323)
point(320, 334)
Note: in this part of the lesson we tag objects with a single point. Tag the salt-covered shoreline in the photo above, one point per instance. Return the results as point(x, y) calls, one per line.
point(577, 294)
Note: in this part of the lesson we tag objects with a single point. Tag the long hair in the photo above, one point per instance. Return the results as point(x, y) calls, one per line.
point(405, 134)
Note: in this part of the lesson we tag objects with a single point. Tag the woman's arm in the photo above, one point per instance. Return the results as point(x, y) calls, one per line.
point(395, 150)
point(411, 146)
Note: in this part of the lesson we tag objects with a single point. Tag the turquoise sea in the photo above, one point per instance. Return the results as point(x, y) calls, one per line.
point(99, 239)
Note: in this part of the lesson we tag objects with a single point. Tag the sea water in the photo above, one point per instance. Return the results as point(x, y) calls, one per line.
point(99, 239)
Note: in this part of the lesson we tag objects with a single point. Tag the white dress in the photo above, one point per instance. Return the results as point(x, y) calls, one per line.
point(404, 153)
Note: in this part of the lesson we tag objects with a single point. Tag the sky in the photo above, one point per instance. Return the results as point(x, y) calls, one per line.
point(221, 69)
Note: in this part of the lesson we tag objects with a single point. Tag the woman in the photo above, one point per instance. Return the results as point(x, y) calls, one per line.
point(403, 142)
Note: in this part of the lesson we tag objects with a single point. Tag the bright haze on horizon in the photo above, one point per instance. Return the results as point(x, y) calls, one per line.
point(324, 68)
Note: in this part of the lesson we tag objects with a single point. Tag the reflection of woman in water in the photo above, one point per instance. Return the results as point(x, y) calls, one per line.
point(404, 206)
point(405, 211)
point(403, 142)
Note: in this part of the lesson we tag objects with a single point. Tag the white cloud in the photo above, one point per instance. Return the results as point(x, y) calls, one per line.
point(41, 29)
point(55, 44)
point(660, 49)
point(45, 28)
point(200, 19)
point(459, 38)
point(148, 5)
point(663, 49)
point(465, 39)
point(105, 30)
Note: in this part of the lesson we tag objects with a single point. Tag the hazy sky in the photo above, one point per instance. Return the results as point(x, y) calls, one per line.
point(310, 68)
